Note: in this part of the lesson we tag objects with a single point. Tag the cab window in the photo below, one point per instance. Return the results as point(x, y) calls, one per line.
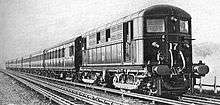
point(173, 24)
point(155, 25)
point(184, 26)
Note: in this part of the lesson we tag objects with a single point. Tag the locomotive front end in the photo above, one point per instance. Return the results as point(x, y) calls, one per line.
point(168, 50)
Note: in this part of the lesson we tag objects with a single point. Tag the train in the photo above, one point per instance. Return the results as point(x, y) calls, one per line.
point(149, 51)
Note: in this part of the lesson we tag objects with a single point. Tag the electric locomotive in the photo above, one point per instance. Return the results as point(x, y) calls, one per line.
point(149, 51)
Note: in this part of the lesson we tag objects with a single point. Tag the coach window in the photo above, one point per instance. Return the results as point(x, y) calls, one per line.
point(70, 50)
point(155, 25)
point(59, 53)
point(55, 54)
point(107, 35)
point(63, 52)
point(45, 56)
point(48, 55)
point(52, 53)
point(98, 38)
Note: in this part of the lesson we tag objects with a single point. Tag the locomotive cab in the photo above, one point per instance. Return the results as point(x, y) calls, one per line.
point(168, 38)
point(168, 48)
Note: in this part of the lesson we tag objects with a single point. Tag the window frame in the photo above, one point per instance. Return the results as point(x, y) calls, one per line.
point(164, 24)
point(188, 27)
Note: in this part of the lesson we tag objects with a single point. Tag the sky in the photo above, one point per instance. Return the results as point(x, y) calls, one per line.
point(27, 26)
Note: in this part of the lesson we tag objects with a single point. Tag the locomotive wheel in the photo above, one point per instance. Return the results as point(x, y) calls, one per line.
point(152, 91)
point(126, 81)
point(148, 87)
point(90, 77)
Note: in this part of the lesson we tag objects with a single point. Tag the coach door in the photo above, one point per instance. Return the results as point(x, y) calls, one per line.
point(127, 37)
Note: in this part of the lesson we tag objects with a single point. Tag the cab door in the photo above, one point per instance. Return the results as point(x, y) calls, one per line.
point(127, 38)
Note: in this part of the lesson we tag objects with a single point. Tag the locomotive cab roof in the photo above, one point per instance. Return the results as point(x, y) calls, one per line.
point(166, 10)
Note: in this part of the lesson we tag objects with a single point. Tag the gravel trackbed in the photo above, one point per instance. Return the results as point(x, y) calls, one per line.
point(14, 93)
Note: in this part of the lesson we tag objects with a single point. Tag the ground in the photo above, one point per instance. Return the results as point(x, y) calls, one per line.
point(13, 92)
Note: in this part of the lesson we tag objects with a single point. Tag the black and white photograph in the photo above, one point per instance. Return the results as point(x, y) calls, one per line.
point(109, 52)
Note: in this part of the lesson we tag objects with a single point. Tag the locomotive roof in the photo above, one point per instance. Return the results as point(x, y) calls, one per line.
point(150, 11)
point(166, 10)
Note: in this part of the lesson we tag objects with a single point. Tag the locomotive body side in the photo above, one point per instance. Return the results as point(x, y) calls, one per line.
point(113, 48)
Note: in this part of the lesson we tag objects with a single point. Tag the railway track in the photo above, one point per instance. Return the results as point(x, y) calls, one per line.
point(56, 98)
point(66, 88)
point(66, 92)
point(87, 97)
point(119, 92)
point(128, 94)
point(190, 99)
point(200, 100)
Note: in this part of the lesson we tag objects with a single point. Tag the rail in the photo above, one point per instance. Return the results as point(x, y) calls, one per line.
point(69, 91)
point(129, 94)
point(49, 95)
point(87, 97)
point(200, 100)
